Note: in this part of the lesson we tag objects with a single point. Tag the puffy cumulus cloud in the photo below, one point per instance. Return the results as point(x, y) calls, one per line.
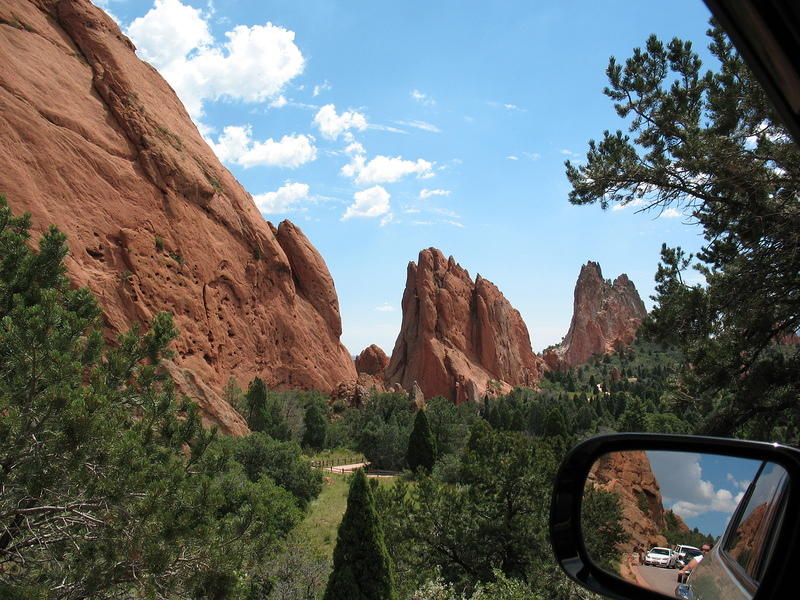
point(285, 199)
point(237, 146)
point(684, 490)
point(370, 203)
point(253, 64)
point(425, 193)
point(332, 125)
point(385, 169)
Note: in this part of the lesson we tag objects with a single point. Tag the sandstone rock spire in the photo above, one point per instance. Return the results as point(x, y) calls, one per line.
point(459, 339)
point(605, 317)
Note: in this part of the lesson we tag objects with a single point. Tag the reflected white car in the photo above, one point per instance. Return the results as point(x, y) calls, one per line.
point(658, 557)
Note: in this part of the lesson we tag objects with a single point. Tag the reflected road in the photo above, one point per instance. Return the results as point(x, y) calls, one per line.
point(658, 579)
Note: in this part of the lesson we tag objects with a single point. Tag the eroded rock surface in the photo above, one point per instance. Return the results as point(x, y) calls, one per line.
point(629, 475)
point(459, 338)
point(372, 361)
point(605, 318)
point(94, 140)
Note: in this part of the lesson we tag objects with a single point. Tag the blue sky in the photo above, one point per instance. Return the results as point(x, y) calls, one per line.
point(703, 489)
point(382, 128)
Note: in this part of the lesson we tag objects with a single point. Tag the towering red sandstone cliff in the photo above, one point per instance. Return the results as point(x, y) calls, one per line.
point(459, 338)
point(605, 317)
point(629, 475)
point(94, 140)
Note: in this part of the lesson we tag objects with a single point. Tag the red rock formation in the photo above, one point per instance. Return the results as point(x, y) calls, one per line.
point(629, 475)
point(94, 140)
point(372, 361)
point(459, 339)
point(605, 318)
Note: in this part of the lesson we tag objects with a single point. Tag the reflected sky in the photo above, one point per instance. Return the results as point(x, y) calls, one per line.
point(703, 489)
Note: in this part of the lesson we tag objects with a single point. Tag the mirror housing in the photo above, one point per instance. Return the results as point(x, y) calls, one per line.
point(565, 510)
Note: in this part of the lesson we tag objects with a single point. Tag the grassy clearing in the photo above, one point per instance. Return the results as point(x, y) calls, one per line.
point(325, 513)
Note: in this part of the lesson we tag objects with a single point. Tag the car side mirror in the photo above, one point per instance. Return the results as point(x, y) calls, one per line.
point(654, 516)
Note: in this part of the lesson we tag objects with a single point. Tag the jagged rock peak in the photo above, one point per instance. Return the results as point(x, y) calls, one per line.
point(605, 317)
point(372, 361)
point(459, 339)
point(94, 140)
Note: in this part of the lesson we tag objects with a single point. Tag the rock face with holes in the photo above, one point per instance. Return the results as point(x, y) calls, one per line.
point(94, 140)
point(459, 338)
point(605, 317)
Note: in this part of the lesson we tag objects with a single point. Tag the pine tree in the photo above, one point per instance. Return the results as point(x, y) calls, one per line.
point(100, 478)
point(362, 569)
point(421, 446)
point(316, 427)
point(708, 144)
point(263, 412)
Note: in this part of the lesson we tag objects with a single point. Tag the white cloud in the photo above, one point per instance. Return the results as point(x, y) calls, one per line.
point(671, 213)
point(422, 223)
point(284, 199)
point(252, 65)
point(236, 146)
point(372, 202)
point(385, 169)
point(685, 491)
point(420, 125)
point(318, 89)
point(512, 157)
point(425, 193)
point(446, 212)
point(332, 125)
point(454, 223)
point(279, 102)
point(385, 307)
point(635, 203)
point(104, 4)
point(423, 99)
point(387, 128)
point(742, 485)
point(569, 153)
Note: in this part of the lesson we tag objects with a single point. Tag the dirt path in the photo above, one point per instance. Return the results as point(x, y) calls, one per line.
point(353, 467)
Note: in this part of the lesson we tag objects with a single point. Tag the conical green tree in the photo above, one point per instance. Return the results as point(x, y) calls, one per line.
point(362, 569)
point(421, 451)
point(316, 426)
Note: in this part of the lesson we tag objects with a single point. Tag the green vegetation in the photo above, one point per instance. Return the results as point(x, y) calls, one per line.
point(159, 240)
point(362, 569)
point(601, 516)
point(676, 533)
point(104, 472)
point(177, 258)
point(708, 143)
point(215, 184)
point(171, 138)
point(421, 452)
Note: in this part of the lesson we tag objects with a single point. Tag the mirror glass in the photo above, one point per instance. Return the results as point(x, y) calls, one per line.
point(684, 524)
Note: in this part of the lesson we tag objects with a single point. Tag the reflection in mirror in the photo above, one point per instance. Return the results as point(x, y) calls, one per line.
point(653, 517)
